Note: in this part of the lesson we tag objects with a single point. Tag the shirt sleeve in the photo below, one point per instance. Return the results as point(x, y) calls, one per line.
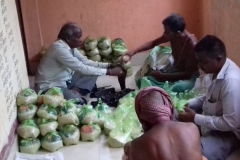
point(230, 120)
point(197, 103)
point(88, 62)
point(65, 57)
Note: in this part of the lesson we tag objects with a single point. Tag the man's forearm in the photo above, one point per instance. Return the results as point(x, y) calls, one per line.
point(150, 45)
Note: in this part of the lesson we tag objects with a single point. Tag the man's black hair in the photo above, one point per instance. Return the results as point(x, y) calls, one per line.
point(175, 22)
point(67, 31)
point(211, 46)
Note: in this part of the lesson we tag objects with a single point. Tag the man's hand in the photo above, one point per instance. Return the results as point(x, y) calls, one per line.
point(113, 65)
point(126, 57)
point(117, 71)
point(188, 115)
point(158, 75)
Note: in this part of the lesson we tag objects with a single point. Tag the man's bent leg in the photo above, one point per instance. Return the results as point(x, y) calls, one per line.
point(84, 83)
point(71, 94)
point(218, 145)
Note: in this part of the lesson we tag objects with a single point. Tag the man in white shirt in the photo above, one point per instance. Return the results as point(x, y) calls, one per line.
point(63, 66)
point(220, 118)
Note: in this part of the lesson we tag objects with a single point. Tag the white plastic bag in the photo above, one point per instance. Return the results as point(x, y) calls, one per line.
point(202, 83)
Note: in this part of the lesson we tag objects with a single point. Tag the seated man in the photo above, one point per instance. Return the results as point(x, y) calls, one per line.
point(63, 66)
point(184, 71)
point(162, 138)
point(220, 118)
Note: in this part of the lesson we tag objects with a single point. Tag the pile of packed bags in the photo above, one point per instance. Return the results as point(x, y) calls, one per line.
point(49, 121)
point(105, 50)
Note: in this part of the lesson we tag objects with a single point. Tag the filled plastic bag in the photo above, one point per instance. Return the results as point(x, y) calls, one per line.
point(53, 97)
point(47, 112)
point(133, 122)
point(119, 136)
point(46, 126)
point(70, 135)
point(103, 108)
point(105, 52)
point(27, 96)
point(118, 41)
point(96, 58)
point(69, 105)
point(67, 117)
point(52, 141)
point(26, 112)
point(30, 146)
point(81, 51)
point(88, 115)
point(109, 124)
point(28, 129)
point(90, 44)
point(90, 132)
point(104, 42)
point(117, 59)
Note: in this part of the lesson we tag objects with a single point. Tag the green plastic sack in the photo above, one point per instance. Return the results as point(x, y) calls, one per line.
point(25, 112)
point(46, 126)
point(101, 119)
point(53, 97)
point(90, 132)
point(109, 124)
point(28, 129)
point(70, 135)
point(47, 112)
point(27, 96)
point(103, 108)
point(30, 146)
point(52, 141)
point(121, 112)
point(119, 136)
point(88, 115)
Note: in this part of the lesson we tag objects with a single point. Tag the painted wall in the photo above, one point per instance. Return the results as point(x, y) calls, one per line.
point(222, 18)
point(136, 21)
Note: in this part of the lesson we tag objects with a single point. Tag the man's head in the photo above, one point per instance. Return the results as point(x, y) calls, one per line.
point(173, 26)
point(153, 105)
point(71, 34)
point(211, 54)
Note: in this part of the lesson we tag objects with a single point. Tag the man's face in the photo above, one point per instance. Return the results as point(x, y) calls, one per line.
point(75, 41)
point(207, 64)
point(168, 34)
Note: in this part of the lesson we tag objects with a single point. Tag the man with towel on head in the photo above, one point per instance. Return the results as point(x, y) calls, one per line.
point(163, 138)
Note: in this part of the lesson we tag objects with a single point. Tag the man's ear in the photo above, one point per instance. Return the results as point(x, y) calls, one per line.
point(219, 58)
point(68, 39)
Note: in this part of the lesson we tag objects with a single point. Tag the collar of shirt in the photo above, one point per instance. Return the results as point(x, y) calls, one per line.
point(64, 43)
point(223, 71)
